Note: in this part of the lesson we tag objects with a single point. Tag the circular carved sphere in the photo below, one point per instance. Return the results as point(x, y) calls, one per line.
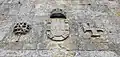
point(21, 28)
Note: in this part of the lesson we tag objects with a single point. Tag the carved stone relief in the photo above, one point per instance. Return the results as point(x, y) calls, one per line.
point(21, 36)
point(58, 33)
point(96, 36)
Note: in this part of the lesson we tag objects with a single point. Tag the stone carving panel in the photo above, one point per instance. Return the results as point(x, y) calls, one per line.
point(57, 26)
point(21, 36)
point(96, 36)
point(63, 34)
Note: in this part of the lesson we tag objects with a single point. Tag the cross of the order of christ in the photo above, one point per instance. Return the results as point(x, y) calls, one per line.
point(94, 31)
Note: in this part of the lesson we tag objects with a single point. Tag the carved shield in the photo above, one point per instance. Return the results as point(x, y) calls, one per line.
point(57, 29)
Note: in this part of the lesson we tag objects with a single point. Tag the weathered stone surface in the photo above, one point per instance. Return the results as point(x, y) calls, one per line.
point(101, 17)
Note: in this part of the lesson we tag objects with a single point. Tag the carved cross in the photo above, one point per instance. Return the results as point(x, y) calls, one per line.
point(94, 31)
